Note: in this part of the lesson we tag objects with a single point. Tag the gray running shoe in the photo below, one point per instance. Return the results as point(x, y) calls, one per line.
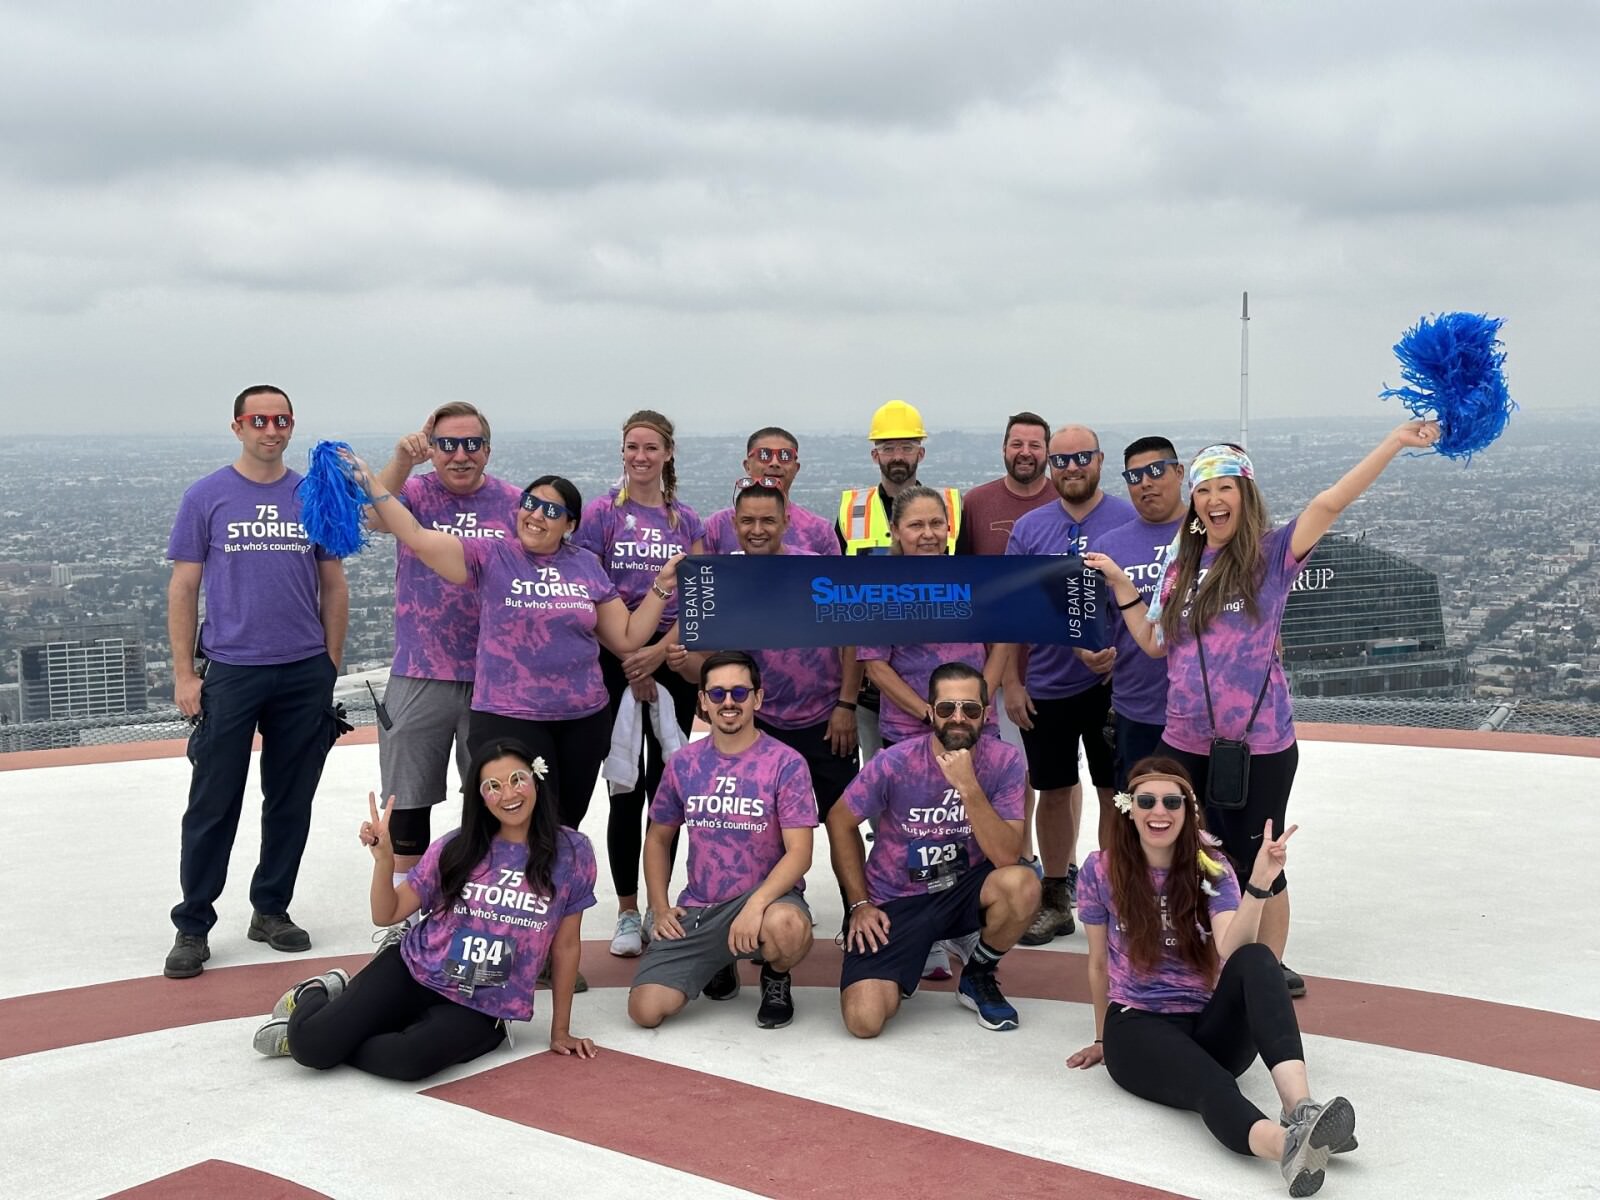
point(272, 1039)
point(333, 982)
point(391, 935)
point(1344, 1147)
point(1310, 1140)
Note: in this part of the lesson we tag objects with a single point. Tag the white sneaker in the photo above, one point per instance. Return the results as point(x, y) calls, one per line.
point(937, 965)
point(628, 941)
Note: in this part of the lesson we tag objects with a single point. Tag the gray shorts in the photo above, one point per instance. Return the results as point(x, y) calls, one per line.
point(687, 964)
point(414, 756)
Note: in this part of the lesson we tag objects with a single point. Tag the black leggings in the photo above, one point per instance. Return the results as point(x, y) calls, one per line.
point(572, 750)
point(1191, 1060)
point(1271, 778)
point(388, 1024)
point(625, 825)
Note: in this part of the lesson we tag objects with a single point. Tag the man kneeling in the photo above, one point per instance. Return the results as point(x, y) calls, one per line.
point(746, 801)
point(948, 808)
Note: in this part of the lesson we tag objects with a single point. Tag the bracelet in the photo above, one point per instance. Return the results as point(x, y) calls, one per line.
point(1130, 604)
point(1099, 1041)
point(656, 588)
point(849, 911)
point(379, 499)
point(846, 704)
point(1251, 889)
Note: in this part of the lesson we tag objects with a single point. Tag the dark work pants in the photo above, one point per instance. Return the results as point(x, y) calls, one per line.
point(291, 704)
point(1193, 1060)
point(388, 1024)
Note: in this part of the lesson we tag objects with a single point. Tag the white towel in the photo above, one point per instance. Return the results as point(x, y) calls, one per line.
point(621, 769)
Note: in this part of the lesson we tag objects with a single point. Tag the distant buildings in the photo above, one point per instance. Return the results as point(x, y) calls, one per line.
point(91, 669)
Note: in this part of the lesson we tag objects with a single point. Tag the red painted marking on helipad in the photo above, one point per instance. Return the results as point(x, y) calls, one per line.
point(762, 1141)
point(1529, 1041)
point(212, 1178)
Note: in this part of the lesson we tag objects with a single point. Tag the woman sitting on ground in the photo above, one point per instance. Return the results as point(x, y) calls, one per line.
point(501, 895)
point(1163, 911)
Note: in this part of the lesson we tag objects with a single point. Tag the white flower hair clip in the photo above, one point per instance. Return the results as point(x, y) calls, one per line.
point(540, 770)
point(1124, 803)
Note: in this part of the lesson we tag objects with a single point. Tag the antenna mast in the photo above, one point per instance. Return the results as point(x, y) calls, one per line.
point(1244, 372)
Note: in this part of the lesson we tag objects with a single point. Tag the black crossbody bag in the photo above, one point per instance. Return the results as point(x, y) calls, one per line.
point(1228, 776)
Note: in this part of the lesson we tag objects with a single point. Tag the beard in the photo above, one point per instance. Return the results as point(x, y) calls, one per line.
point(1023, 471)
point(1075, 491)
point(897, 472)
point(957, 737)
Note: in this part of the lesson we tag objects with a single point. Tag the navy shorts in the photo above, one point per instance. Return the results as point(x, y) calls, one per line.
point(915, 924)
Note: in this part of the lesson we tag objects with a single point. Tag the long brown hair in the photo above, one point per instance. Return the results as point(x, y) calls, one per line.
point(1235, 574)
point(650, 419)
point(1135, 901)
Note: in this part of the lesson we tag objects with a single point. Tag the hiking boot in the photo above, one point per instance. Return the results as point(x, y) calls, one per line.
point(777, 1000)
point(187, 957)
point(579, 985)
point(937, 966)
point(333, 982)
point(1292, 981)
point(980, 991)
point(628, 941)
point(1054, 918)
point(272, 1039)
point(1343, 1147)
point(279, 932)
point(724, 985)
point(1310, 1140)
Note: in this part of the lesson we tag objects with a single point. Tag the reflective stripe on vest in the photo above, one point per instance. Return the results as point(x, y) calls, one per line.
point(866, 525)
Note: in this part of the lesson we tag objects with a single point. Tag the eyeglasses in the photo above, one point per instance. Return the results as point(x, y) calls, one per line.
point(1147, 801)
point(449, 445)
point(897, 447)
point(267, 420)
point(737, 694)
point(970, 709)
point(784, 455)
point(1154, 469)
point(551, 510)
point(520, 782)
point(1083, 458)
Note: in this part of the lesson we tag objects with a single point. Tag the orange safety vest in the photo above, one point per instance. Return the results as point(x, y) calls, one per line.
point(866, 525)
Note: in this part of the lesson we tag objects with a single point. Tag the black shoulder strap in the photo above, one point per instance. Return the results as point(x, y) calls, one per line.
point(1205, 680)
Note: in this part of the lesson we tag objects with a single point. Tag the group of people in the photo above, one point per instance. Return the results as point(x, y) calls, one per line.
point(535, 640)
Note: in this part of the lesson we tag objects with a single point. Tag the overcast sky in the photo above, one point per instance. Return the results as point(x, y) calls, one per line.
point(747, 212)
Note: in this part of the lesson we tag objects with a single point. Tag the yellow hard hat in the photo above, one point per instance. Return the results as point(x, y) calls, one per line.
point(896, 419)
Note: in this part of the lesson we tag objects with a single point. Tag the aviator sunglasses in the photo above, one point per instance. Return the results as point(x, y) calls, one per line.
point(1147, 801)
point(737, 694)
point(550, 509)
point(1155, 470)
point(518, 781)
point(1082, 458)
point(265, 420)
point(970, 709)
point(449, 445)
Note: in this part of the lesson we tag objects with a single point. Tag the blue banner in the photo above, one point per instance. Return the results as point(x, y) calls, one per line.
point(774, 602)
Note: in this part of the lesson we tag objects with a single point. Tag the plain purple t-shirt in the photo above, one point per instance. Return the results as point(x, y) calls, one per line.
point(538, 656)
point(915, 664)
point(633, 542)
point(1054, 670)
point(1239, 653)
point(735, 809)
point(1138, 682)
point(806, 531)
point(258, 569)
point(436, 621)
point(498, 921)
point(923, 829)
point(1174, 986)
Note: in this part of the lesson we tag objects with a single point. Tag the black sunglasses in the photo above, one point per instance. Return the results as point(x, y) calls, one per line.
point(1147, 801)
point(549, 508)
point(449, 445)
point(1154, 469)
point(1084, 458)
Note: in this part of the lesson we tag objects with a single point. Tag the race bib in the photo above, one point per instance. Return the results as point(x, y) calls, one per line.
point(937, 865)
point(478, 960)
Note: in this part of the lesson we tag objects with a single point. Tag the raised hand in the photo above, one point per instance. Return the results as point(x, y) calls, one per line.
point(956, 767)
point(375, 830)
point(1107, 566)
point(1272, 856)
point(1417, 435)
point(415, 448)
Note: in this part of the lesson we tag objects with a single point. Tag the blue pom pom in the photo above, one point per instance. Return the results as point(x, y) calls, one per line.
point(331, 500)
point(1454, 369)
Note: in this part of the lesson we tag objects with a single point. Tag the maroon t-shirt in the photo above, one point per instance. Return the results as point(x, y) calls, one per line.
point(989, 510)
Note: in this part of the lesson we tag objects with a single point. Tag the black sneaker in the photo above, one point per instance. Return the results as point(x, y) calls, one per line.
point(187, 957)
point(777, 1002)
point(724, 985)
point(279, 932)
point(1296, 985)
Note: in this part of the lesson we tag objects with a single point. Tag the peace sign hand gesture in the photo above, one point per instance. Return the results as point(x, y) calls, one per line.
point(375, 830)
point(1272, 856)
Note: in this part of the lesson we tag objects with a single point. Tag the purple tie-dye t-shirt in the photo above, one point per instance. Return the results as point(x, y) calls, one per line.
point(1238, 654)
point(258, 569)
point(806, 531)
point(538, 656)
point(499, 930)
point(1174, 986)
point(914, 664)
point(1138, 682)
point(924, 837)
point(1054, 670)
point(435, 621)
point(734, 809)
point(633, 541)
point(799, 687)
